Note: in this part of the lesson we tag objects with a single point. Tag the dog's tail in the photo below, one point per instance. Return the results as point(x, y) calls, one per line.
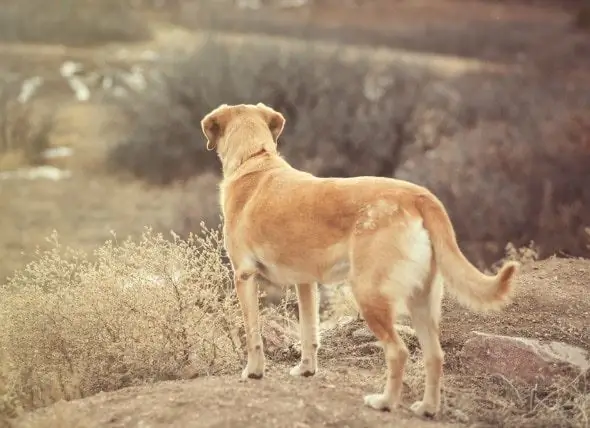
point(471, 287)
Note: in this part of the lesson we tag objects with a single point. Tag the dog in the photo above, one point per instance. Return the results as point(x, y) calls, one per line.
point(391, 240)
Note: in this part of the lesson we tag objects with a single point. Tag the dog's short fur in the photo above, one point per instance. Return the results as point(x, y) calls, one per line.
point(390, 239)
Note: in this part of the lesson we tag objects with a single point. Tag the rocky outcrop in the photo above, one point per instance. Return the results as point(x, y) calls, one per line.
point(523, 360)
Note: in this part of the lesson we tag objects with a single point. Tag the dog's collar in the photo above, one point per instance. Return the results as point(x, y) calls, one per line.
point(256, 154)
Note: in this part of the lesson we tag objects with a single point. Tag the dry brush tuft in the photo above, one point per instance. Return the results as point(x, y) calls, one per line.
point(134, 312)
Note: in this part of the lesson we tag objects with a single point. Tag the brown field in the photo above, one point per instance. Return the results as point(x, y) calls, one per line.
point(485, 102)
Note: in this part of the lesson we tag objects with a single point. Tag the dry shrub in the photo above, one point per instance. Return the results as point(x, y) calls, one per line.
point(344, 117)
point(139, 312)
point(523, 255)
point(70, 22)
point(582, 17)
point(496, 401)
point(24, 129)
point(341, 302)
point(517, 170)
point(76, 324)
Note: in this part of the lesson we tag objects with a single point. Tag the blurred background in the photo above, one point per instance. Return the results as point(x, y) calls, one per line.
point(485, 102)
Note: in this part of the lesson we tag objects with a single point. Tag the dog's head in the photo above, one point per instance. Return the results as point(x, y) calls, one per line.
point(248, 123)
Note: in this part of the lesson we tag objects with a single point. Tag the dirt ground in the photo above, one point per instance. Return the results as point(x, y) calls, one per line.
point(550, 303)
point(331, 399)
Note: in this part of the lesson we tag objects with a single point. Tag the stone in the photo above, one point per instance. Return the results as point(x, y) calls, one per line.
point(523, 359)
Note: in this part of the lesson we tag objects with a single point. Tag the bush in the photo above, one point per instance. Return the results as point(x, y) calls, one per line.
point(74, 325)
point(582, 17)
point(516, 171)
point(24, 129)
point(333, 127)
point(70, 22)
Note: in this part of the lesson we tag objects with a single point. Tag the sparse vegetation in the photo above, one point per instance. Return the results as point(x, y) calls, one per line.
point(133, 312)
point(141, 312)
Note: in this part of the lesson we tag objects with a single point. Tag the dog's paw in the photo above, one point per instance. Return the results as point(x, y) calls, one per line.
point(247, 373)
point(302, 370)
point(423, 409)
point(378, 402)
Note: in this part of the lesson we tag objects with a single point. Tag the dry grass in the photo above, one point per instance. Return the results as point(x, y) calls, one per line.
point(70, 22)
point(495, 401)
point(487, 30)
point(133, 312)
point(141, 312)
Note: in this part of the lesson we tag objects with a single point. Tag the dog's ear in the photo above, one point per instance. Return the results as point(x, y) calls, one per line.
point(274, 120)
point(213, 124)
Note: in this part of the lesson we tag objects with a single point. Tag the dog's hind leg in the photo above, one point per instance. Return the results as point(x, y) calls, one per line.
point(307, 295)
point(247, 290)
point(425, 313)
point(377, 284)
point(378, 312)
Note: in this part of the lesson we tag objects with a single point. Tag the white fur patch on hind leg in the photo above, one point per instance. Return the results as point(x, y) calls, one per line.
point(409, 273)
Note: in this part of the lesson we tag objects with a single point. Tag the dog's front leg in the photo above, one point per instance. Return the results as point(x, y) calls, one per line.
point(307, 295)
point(247, 289)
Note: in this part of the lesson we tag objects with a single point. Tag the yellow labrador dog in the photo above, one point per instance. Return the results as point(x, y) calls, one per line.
point(390, 239)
